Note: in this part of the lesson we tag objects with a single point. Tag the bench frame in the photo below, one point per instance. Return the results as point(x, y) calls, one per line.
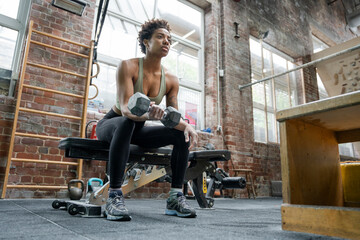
point(150, 165)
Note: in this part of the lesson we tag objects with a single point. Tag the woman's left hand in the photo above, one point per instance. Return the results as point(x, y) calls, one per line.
point(190, 134)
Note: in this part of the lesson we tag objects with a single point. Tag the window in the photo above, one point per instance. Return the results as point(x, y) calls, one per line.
point(13, 17)
point(270, 96)
point(119, 41)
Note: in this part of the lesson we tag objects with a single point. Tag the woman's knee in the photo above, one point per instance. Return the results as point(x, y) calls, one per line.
point(125, 126)
point(180, 138)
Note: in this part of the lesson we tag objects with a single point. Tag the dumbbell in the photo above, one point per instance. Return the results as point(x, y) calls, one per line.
point(139, 104)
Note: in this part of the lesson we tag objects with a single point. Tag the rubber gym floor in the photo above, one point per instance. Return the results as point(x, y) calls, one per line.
point(230, 219)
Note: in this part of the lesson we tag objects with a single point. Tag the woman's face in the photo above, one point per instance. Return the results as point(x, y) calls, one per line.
point(159, 43)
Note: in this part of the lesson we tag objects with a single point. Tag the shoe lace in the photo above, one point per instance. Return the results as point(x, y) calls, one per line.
point(182, 202)
point(118, 201)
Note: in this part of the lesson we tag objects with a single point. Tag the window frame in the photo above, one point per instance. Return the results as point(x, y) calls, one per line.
point(20, 25)
point(264, 107)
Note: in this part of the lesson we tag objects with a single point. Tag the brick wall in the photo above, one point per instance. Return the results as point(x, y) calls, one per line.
point(289, 23)
point(60, 23)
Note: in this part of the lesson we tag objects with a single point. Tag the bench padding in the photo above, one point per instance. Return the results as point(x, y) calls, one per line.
point(99, 150)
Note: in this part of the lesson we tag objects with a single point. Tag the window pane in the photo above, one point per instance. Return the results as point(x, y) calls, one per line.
point(281, 83)
point(183, 61)
point(282, 96)
point(118, 40)
point(190, 105)
point(271, 127)
point(107, 90)
point(9, 8)
point(256, 73)
point(279, 64)
point(7, 43)
point(318, 45)
point(269, 96)
point(139, 10)
point(259, 125)
point(267, 63)
point(293, 92)
point(140, 13)
point(184, 20)
point(256, 65)
point(268, 84)
point(258, 93)
point(346, 149)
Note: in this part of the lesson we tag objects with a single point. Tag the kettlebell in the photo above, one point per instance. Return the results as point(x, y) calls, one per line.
point(93, 185)
point(75, 193)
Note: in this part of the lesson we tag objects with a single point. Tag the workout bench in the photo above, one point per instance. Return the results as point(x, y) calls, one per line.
point(147, 165)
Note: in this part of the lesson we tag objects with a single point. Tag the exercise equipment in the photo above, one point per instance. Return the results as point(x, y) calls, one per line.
point(75, 193)
point(139, 104)
point(93, 185)
point(145, 166)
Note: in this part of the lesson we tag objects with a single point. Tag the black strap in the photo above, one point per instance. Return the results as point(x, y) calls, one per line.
point(100, 18)
point(101, 12)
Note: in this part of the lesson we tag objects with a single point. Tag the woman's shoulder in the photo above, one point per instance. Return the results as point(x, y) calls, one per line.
point(129, 62)
point(129, 65)
point(172, 81)
point(169, 75)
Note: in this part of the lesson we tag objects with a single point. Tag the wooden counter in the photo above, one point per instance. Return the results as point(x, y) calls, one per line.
point(310, 164)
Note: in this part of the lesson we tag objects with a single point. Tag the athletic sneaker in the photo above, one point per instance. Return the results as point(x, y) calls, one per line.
point(115, 207)
point(179, 207)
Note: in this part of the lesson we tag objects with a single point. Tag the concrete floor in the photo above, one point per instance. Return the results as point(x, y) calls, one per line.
point(231, 219)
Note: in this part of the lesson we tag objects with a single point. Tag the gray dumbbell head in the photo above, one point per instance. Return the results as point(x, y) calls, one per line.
point(138, 104)
point(172, 117)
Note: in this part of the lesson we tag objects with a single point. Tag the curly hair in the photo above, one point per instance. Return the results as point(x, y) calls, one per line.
point(148, 28)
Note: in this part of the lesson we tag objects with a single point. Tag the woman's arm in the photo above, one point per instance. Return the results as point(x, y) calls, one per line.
point(125, 87)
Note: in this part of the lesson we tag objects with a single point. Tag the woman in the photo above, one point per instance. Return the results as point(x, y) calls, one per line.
point(121, 128)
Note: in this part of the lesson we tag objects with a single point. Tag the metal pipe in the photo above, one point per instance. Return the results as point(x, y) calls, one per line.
point(218, 78)
point(301, 66)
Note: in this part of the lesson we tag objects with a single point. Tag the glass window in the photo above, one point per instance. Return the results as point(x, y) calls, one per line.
point(106, 96)
point(8, 43)
point(119, 41)
point(346, 149)
point(259, 125)
point(13, 18)
point(9, 8)
point(184, 20)
point(184, 62)
point(272, 95)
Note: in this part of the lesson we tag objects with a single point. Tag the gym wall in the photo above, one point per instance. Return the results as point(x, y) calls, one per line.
point(290, 24)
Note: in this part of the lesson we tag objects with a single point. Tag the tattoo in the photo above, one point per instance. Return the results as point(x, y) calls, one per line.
point(173, 102)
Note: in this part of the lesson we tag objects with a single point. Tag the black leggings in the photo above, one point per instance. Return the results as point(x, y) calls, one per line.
point(120, 131)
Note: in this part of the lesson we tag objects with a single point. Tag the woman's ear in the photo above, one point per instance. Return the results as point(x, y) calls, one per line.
point(146, 43)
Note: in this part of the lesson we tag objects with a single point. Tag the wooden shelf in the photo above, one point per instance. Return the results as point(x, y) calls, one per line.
point(310, 164)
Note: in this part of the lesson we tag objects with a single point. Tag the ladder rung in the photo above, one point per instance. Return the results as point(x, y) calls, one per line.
point(55, 69)
point(37, 186)
point(59, 38)
point(43, 161)
point(48, 113)
point(59, 49)
point(52, 91)
point(37, 136)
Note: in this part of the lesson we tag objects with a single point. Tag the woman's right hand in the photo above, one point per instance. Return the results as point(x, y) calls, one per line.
point(155, 112)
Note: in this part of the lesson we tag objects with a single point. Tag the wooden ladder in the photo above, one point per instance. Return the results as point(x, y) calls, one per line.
point(18, 109)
